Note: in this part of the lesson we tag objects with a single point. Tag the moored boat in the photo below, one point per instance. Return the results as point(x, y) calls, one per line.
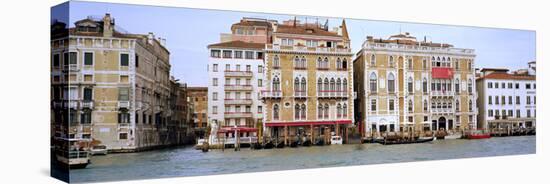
point(479, 134)
point(73, 153)
point(99, 150)
point(335, 140)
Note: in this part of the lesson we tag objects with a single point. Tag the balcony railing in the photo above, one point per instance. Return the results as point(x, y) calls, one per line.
point(332, 94)
point(123, 104)
point(238, 114)
point(229, 87)
point(442, 110)
point(87, 104)
point(238, 101)
point(390, 46)
point(72, 104)
point(300, 94)
point(271, 94)
point(307, 49)
point(442, 93)
point(229, 73)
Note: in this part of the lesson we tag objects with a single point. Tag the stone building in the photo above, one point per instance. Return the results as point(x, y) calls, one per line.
point(198, 107)
point(114, 85)
point(404, 84)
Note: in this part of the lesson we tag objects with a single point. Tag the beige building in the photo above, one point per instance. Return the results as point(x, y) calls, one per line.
point(308, 81)
point(114, 85)
point(198, 107)
point(403, 84)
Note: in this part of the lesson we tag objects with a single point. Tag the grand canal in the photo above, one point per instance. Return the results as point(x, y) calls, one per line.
point(186, 161)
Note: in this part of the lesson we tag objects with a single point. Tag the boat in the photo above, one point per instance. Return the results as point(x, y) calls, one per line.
point(307, 142)
point(335, 140)
point(256, 145)
point(478, 135)
point(294, 144)
point(268, 145)
point(280, 144)
point(72, 153)
point(320, 142)
point(401, 141)
point(200, 144)
point(453, 136)
point(99, 150)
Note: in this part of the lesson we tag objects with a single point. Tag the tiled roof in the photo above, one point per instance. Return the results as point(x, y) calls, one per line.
point(300, 29)
point(507, 76)
point(253, 23)
point(237, 44)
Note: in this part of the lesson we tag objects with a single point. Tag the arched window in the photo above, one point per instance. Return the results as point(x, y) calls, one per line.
point(470, 86)
point(319, 63)
point(326, 89)
point(303, 62)
point(410, 85)
point(345, 86)
point(325, 63)
point(345, 111)
point(332, 86)
point(338, 85)
point(450, 105)
point(303, 85)
point(425, 105)
point(457, 86)
point(296, 62)
point(391, 83)
point(344, 64)
point(410, 106)
point(297, 112)
point(373, 60)
point(390, 63)
point(373, 85)
point(338, 110)
point(276, 84)
point(296, 85)
point(276, 62)
point(326, 111)
point(338, 63)
point(433, 105)
point(457, 105)
point(470, 106)
point(319, 86)
point(425, 85)
point(303, 111)
point(276, 112)
point(320, 111)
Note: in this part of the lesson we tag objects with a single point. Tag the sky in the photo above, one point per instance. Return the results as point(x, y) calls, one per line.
point(189, 31)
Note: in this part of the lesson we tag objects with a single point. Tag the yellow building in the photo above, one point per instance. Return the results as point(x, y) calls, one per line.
point(308, 82)
point(403, 84)
point(114, 86)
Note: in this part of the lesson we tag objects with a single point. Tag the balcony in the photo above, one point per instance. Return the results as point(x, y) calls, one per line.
point(72, 104)
point(271, 94)
point(442, 111)
point(442, 93)
point(306, 49)
point(80, 128)
point(123, 104)
point(300, 94)
point(87, 104)
point(332, 94)
point(229, 73)
point(238, 114)
point(229, 87)
point(72, 67)
point(238, 101)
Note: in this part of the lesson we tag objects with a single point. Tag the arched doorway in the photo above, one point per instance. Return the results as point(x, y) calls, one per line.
point(441, 122)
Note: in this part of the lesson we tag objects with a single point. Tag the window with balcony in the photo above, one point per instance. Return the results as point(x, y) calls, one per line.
point(86, 117)
point(88, 94)
point(303, 112)
point(391, 83)
point(276, 62)
point(123, 116)
point(276, 84)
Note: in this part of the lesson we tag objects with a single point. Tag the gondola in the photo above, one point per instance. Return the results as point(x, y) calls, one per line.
point(420, 140)
point(280, 144)
point(306, 143)
point(294, 144)
point(320, 142)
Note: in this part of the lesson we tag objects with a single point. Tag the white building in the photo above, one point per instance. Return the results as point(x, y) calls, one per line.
point(507, 97)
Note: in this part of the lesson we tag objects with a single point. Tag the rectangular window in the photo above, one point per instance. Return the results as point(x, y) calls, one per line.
point(527, 86)
point(517, 100)
point(503, 100)
point(239, 54)
point(227, 53)
point(249, 55)
point(123, 136)
point(227, 67)
point(490, 100)
point(215, 67)
point(123, 117)
point(259, 55)
point(518, 113)
point(215, 53)
point(215, 96)
point(260, 69)
point(56, 60)
point(124, 59)
point(490, 113)
point(87, 94)
point(528, 113)
point(238, 68)
point(72, 58)
point(510, 113)
point(517, 85)
point(248, 68)
point(510, 100)
point(260, 83)
point(528, 100)
point(510, 85)
point(86, 117)
point(214, 109)
point(490, 85)
point(260, 109)
point(215, 82)
point(373, 105)
point(88, 58)
point(391, 105)
point(123, 94)
point(137, 60)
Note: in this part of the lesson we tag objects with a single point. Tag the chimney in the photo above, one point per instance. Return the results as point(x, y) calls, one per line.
point(107, 26)
point(150, 37)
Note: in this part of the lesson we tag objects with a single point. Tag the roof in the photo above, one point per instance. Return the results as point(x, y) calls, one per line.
point(237, 44)
point(495, 69)
point(252, 23)
point(305, 30)
point(507, 76)
point(197, 88)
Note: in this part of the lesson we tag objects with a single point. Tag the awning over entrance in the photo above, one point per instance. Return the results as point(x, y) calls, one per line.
point(307, 123)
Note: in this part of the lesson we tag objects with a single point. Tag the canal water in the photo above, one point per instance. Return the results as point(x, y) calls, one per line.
point(186, 161)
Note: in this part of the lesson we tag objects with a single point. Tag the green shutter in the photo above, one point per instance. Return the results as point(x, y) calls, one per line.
point(88, 59)
point(124, 59)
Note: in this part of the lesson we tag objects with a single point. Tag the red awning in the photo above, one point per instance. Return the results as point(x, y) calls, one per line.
point(307, 123)
point(442, 73)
